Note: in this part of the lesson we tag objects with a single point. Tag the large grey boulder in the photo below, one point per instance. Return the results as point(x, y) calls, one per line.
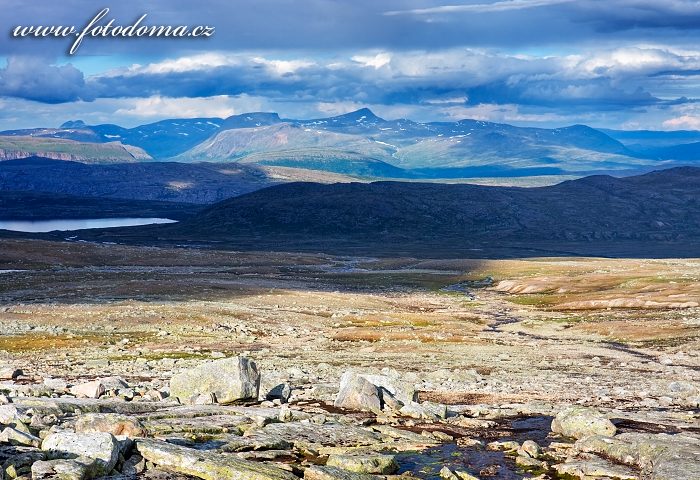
point(225, 381)
point(580, 422)
point(358, 393)
point(101, 448)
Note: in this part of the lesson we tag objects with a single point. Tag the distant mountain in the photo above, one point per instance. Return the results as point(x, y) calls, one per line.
point(653, 138)
point(161, 140)
point(290, 145)
point(15, 147)
point(653, 209)
point(363, 144)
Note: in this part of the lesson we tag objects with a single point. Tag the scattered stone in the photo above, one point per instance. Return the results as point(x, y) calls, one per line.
point(507, 446)
point(529, 462)
point(101, 448)
point(16, 437)
point(580, 422)
point(207, 465)
point(226, 381)
point(447, 474)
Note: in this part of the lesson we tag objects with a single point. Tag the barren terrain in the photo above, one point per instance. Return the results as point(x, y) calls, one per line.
point(494, 339)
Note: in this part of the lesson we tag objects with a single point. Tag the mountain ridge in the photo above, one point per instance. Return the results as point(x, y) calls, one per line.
point(360, 143)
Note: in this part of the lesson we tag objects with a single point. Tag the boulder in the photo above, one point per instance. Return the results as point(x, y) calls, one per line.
point(530, 449)
point(580, 422)
point(225, 381)
point(93, 389)
point(207, 465)
point(101, 448)
point(403, 391)
point(10, 414)
point(280, 392)
point(358, 393)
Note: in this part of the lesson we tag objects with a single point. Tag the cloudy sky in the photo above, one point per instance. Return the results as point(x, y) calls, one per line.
point(627, 64)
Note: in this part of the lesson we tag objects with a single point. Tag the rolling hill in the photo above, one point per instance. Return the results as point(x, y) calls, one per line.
point(659, 212)
point(163, 181)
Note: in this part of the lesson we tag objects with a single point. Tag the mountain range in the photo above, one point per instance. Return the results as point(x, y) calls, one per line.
point(362, 144)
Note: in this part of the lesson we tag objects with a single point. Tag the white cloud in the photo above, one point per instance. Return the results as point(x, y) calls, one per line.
point(377, 61)
point(283, 67)
point(167, 107)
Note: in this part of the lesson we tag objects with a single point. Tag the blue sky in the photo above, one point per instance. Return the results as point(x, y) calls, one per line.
point(627, 64)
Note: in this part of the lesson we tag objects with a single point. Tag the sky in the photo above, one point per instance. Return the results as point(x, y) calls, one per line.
point(624, 64)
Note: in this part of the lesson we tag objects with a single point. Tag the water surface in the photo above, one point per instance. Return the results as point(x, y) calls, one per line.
point(42, 226)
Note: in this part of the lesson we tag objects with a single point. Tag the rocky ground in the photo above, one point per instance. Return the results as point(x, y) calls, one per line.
point(151, 363)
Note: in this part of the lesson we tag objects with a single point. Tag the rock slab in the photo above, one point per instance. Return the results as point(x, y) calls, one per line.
point(207, 465)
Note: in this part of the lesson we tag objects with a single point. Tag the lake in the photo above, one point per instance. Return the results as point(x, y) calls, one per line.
point(41, 226)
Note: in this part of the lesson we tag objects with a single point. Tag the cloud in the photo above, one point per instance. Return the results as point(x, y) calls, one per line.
point(610, 77)
point(502, 6)
point(33, 78)
point(167, 107)
point(377, 61)
point(684, 122)
point(502, 113)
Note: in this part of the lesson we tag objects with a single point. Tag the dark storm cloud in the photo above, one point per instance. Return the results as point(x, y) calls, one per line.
point(32, 78)
point(322, 25)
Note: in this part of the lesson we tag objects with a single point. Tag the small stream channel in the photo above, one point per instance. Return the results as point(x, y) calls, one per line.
point(476, 460)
